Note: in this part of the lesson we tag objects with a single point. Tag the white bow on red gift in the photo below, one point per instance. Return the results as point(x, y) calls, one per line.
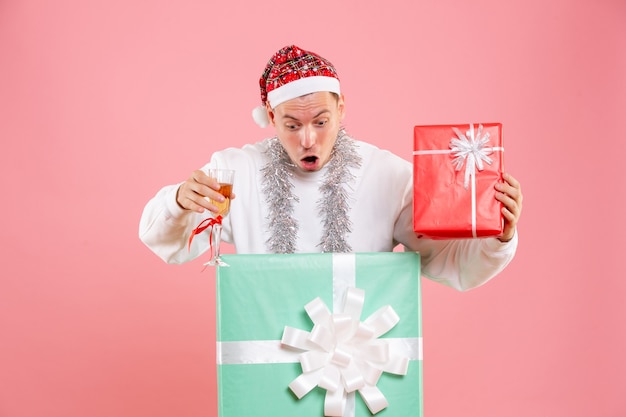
point(470, 149)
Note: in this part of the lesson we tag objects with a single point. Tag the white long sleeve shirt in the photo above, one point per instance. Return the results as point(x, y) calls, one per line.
point(381, 212)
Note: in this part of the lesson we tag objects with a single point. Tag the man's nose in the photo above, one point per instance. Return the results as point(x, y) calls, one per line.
point(308, 138)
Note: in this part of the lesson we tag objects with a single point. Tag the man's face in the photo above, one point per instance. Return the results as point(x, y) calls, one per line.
point(307, 127)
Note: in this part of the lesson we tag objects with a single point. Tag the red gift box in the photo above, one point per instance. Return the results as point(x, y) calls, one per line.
point(455, 169)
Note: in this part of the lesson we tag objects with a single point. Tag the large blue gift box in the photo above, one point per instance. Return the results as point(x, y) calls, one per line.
point(310, 335)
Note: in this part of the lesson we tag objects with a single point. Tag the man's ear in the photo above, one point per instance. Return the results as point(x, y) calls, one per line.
point(270, 114)
point(341, 105)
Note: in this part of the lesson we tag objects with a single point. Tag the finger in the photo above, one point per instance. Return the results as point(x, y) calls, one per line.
point(207, 186)
point(204, 181)
point(188, 198)
point(208, 202)
point(509, 216)
point(200, 203)
point(513, 191)
point(514, 188)
point(509, 203)
point(510, 224)
point(196, 207)
point(191, 194)
point(511, 180)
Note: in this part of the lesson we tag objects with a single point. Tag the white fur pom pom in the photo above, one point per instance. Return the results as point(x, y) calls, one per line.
point(259, 114)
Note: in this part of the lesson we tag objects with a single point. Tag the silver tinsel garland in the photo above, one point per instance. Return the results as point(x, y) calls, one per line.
point(333, 206)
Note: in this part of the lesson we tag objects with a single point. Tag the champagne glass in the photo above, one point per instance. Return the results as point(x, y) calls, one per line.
point(225, 178)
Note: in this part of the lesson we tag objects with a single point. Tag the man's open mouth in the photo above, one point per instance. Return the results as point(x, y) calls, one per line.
point(310, 159)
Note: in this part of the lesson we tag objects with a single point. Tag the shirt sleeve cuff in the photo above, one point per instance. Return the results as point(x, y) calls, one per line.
point(495, 245)
point(174, 211)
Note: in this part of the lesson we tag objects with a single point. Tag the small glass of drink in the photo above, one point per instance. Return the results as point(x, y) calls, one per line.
point(225, 178)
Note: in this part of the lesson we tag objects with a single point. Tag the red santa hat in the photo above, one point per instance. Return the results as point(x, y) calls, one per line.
point(293, 72)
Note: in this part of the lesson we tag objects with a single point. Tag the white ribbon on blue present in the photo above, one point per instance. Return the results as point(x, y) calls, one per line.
point(341, 354)
point(469, 150)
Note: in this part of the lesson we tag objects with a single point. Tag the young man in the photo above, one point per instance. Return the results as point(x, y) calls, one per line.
point(312, 188)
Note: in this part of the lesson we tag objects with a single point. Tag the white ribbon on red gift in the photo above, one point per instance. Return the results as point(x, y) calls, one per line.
point(341, 354)
point(468, 150)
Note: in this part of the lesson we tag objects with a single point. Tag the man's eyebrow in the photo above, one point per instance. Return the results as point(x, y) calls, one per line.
point(288, 116)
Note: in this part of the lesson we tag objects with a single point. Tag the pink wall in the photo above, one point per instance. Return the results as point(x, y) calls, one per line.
point(102, 102)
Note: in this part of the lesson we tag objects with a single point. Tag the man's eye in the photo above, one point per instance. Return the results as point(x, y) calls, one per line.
point(321, 122)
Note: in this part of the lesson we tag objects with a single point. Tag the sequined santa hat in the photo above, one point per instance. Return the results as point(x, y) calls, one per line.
point(293, 72)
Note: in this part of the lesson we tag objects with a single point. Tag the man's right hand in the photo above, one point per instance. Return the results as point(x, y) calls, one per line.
point(197, 192)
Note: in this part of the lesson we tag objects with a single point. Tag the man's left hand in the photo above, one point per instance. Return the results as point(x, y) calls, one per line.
point(510, 195)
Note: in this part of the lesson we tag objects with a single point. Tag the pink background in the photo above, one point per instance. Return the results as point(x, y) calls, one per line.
point(103, 102)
